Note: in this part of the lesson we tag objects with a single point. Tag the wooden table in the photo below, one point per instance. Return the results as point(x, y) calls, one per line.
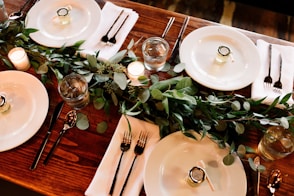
point(73, 166)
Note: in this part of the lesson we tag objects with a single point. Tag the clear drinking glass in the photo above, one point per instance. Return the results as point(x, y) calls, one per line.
point(155, 51)
point(74, 91)
point(276, 143)
point(3, 13)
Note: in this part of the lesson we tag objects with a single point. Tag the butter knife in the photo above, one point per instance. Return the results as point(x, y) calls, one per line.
point(177, 44)
point(53, 119)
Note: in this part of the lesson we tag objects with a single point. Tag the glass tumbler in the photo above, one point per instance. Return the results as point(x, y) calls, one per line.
point(155, 51)
point(276, 143)
point(74, 91)
point(3, 13)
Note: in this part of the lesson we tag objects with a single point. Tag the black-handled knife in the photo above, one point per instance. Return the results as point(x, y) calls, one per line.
point(53, 119)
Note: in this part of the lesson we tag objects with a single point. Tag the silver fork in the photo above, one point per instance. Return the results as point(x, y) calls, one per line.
point(278, 84)
point(268, 79)
point(124, 146)
point(139, 149)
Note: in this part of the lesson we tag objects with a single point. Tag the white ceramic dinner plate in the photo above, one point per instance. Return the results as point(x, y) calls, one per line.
point(85, 17)
point(29, 104)
point(172, 158)
point(199, 49)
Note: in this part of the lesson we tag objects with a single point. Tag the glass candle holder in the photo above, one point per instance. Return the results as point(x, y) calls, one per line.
point(19, 58)
point(63, 15)
point(276, 143)
point(223, 53)
point(196, 176)
point(74, 91)
point(4, 105)
point(155, 51)
point(135, 70)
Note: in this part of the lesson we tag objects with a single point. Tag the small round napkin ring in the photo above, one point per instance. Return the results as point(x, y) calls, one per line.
point(196, 176)
point(224, 50)
point(62, 11)
point(2, 100)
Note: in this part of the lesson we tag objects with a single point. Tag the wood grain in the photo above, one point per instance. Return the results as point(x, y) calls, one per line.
point(74, 163)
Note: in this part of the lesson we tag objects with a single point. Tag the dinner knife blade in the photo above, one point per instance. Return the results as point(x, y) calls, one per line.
point(54, 117)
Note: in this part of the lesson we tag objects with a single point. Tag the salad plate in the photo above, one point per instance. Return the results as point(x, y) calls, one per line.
point(199, 51)
point(84, 17)
point(171, 159)
point(29, 102)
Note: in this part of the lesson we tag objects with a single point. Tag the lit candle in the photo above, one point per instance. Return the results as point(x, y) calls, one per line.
point(135, 69)
point(19, 58)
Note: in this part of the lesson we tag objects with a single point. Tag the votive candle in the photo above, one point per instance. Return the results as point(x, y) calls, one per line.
point(135, 69)
point(19, 58)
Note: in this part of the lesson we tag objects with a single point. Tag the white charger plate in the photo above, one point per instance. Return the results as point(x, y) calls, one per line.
point(199, 49)
point(85, 17)
point(172, 158)
point(29, 104)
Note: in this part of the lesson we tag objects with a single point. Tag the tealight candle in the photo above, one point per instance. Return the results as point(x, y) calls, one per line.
point(135, 69)
point(223, 53)
point(19, 58)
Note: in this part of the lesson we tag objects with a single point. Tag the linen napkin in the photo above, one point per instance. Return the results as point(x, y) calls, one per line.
point(101, 183)
point(108, 15)
point(258, 90)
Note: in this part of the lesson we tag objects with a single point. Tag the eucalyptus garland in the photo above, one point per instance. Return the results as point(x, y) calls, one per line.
point(175, 104)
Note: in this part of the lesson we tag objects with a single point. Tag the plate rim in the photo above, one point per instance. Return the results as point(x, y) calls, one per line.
point(27, 132)
point(41, 39)
point(195, 34)
point(168, 139)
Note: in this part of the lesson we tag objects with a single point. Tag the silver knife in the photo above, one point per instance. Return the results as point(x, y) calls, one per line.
point(177, 44)
point(53, 119)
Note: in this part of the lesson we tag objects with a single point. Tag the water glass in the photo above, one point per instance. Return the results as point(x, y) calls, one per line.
point(276, 143)
point(74, 91)
point(155, 51)
point(3, 13)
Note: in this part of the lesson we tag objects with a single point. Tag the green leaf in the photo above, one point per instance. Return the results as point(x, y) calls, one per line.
point(144, 95)
point(286, 98)
point(114, 98)
point(184, 83)
point(179, 67)
point(92, 60)
point(121, 80)
point(229, 159)
point(82, 121)
point(99, 103)
point(101, 127)
point(165, 84)
point(239, 127)
point(118, 56)
point(156, 94)
point(252, 164)
point(241, 151)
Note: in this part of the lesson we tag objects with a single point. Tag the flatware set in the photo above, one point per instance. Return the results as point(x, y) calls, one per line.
point(124, 146)
point(268, 80)
point(53, 119)
point(105, 38)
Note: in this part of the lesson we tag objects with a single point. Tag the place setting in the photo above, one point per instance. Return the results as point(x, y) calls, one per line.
point(64, 24)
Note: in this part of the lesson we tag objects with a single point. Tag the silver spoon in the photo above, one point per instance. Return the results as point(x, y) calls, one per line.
point(274, 180)
point(70, 121)
point(257, 164)
point(20, 13)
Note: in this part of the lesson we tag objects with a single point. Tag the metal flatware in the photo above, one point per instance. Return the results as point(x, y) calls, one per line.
point(274, 181)
point(105, 37)
point(53, 119)
point(70, 121)
point(124, 146)
point(256, 161)
point(168, 26)
point(139, 149)
point(177, 44)
point(278, 84)
point(113, 39)
point(20, 13)
point(268, 79)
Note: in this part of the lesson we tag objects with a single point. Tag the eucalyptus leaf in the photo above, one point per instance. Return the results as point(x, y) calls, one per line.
point(82, 121)
point(157, 94)
point(101, 127)
point(121, 80)
point(118, 56)
point(92, 60)
point(179, 67)
point(114, 98)
point(228, 159)
point(144, 95)
point(99, 103)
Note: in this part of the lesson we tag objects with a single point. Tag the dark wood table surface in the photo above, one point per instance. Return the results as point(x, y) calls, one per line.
point(75, 161)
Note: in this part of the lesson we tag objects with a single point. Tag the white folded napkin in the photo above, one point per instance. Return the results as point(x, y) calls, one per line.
point(102, 180)
point(108, 15)
point(258, 89)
